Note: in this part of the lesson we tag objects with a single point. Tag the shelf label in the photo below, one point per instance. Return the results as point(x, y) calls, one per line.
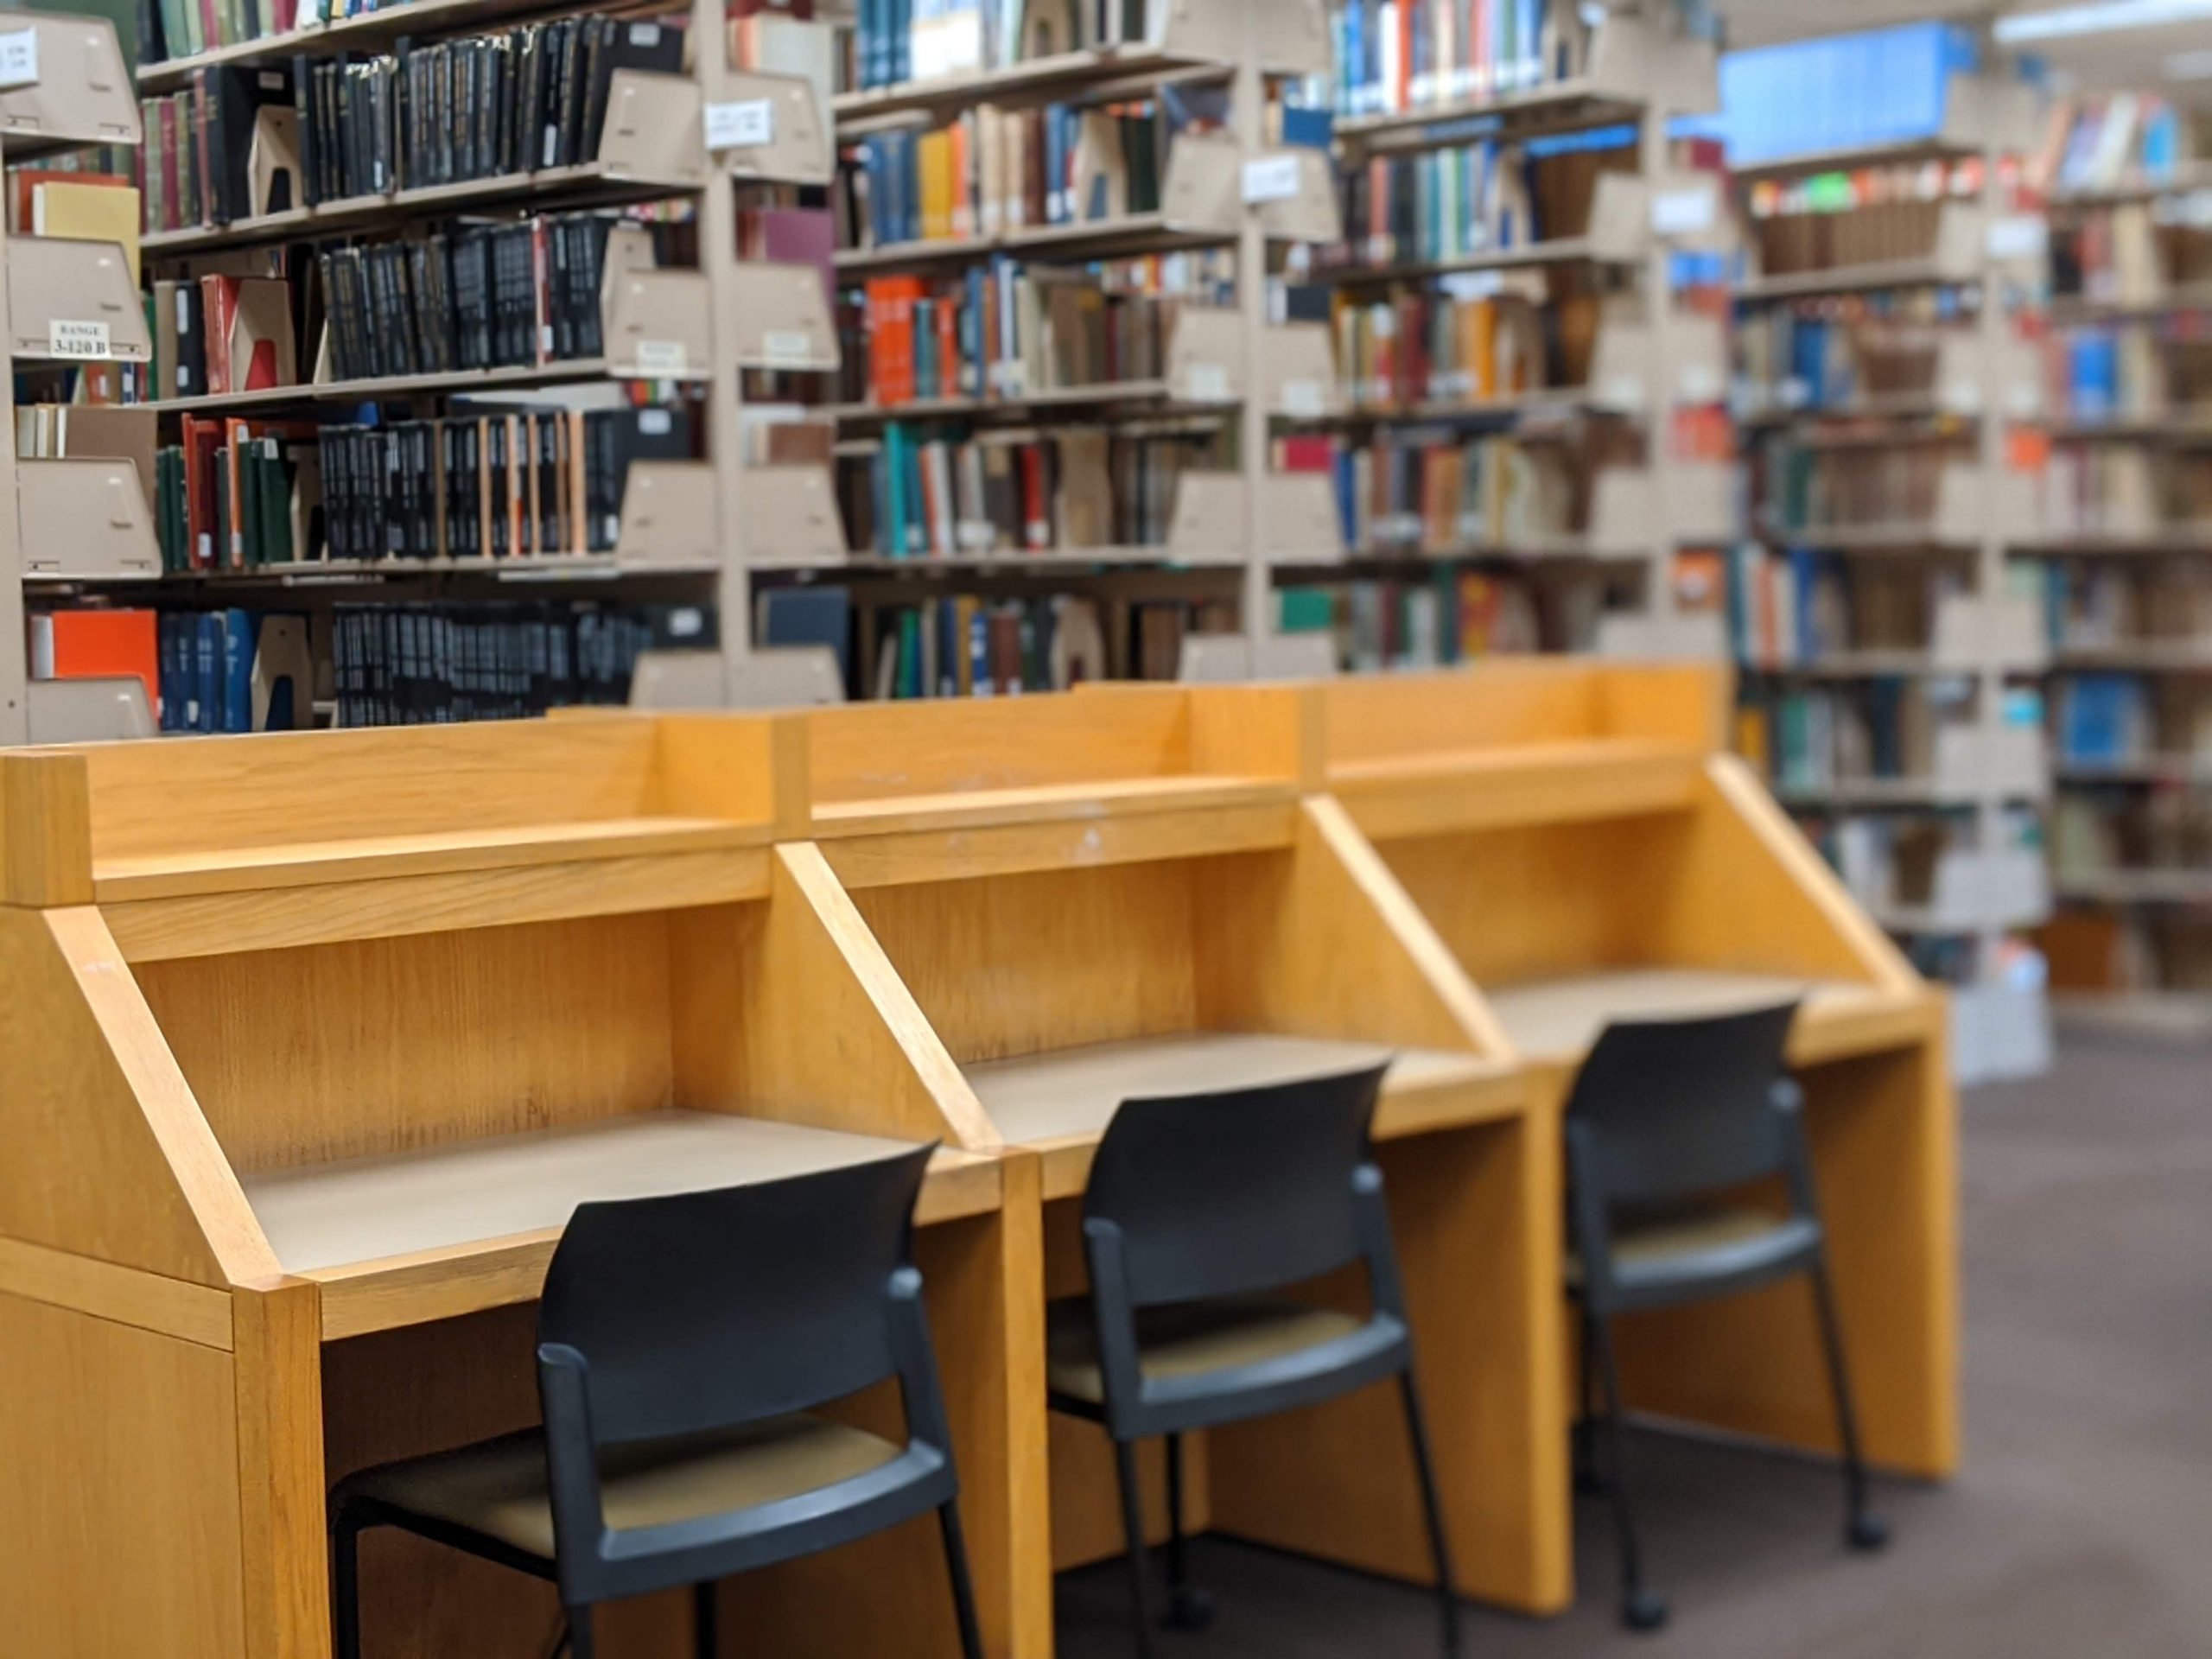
point(66, 337)
point(1700, 383)
point(1625, 392)
point(1207, 382)
point(18, 58)
point(2019, 236)
point(1472, 284)
point(784, 347)
point(1271, 178)
point(1683, 212)
point(1304, 400)
point(657, 357)
point(745, 123)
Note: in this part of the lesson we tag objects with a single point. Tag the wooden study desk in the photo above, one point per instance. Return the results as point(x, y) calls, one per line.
point(1579, 839)
point(313, 1044)
point(1138, 890)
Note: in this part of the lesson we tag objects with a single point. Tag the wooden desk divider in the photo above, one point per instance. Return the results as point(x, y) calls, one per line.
point(1579, 839)
point(312, 1042)
point(1139, 890)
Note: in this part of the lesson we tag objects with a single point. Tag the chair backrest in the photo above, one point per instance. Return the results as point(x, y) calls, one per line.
point(1673, 1108)
point(707, 1310)
point(1246, 1189)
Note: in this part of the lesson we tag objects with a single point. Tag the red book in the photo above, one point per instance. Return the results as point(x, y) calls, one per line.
point(171, 207)
point(218, 303)
point(203, 444)
point(1309, 453)
point(1036, 512)
point(97, 645)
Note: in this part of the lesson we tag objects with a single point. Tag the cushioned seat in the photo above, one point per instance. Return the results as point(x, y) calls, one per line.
point(1708, 1247)
point(1188, 1341)
point(499, 1488)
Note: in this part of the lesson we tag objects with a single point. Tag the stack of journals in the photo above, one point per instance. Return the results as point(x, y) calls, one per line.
point(1464, 201)
point(1006, 333)
point(899, 40)
point(929, 492)
point(2125, 140)
point(1394, 56)
point(1822, 221)
point(1422, 347)
point(992, 171)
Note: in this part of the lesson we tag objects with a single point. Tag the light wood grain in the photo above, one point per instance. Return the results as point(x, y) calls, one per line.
point(119, 1516)
point(1087, 801)
point(283, 1547)
point(1505, 703)
point(115, 1161)
point(792, 1010)
point(385, 1045)
point(1439, 791)
point(1062, 844)
point(170, 1307)
point(1559, 1020)
point(46, 843)
point(1272, 730)
point(867, 752)
point(224, 924)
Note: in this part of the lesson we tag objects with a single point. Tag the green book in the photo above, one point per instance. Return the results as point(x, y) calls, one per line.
point(276, 503)
point(909, 683)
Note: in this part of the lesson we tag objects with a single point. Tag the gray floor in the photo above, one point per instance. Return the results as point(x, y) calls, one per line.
point(2080, 1529)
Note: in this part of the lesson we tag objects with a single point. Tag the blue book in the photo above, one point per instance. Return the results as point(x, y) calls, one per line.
point(238, 639)
point(207, 671)
point(810, 616)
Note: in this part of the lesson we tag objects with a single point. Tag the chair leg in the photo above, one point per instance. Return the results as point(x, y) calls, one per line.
point(1589, 1479)
point(1433, 1508)
point(1125, 1466)
point(1189, 1608)
point(345, 1585)
point(1862, 1528)
point(581, 1645)
point(1640, 1609)
point(706, 1621)
point(963, 1589)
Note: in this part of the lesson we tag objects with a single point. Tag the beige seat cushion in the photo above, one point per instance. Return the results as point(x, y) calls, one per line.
point(499, 1488)
point(1657, 1244)
point(1188, 1341)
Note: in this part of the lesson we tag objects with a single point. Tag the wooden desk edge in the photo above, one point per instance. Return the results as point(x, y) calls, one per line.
point(1115, 797)
point(1881, 1023)
point(362, 1297)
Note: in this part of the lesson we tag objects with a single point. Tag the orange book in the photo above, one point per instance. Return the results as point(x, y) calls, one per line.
point(959, 146)
point(96, 645)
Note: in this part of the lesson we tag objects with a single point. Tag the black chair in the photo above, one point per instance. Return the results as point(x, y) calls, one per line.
point(681, 1343)
point(1664, 1120)
point(1198, 1207)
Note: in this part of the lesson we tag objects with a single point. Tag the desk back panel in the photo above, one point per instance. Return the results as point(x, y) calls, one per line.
point(872, 752)
point(368, 1046)
point(1503, 703)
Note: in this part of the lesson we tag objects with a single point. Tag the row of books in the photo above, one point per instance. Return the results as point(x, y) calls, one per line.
point(2125, 256)
point(928, 492)
point(1826, 734)
point(1434, 492)
point(237, 494)
point(2127, 138)
point(1802, 606)
point(2116, 489)
point(1378, 625)
point(1825, 220)
point(1891, 861)
point(1461, 201)
point(1005, 332)
point(2106, 720)
point(966, 645)
point(1394, 56)
point(183, 29)
point(435, 665)
point(1831, 355)
point(1810, 488)
point(2123, 950)
point(2117, 373)
point(1420, 346)
point(991, 171)
point(2096, 608)
point(483, 296)
point(2108, 832)
point(899, 41)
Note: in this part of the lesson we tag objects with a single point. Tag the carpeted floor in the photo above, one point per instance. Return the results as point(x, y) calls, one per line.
point(2081, 1527)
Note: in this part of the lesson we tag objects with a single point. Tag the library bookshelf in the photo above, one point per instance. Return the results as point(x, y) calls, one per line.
point(678, 344)
point(1588, 850)
point(1138, 889)
point(1891, 643)
point(303, 1110)
point(1216, 390)
point(2128, 560)
point(1615, 426)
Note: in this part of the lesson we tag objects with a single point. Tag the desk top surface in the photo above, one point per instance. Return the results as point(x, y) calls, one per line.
point(370, 1208)
point(1557, 1019)
point(1072, 1093)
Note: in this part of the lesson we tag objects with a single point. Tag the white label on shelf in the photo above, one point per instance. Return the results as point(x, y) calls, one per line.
point(745, 123)
point(1700, 383)
point(686, 622)
point(1271, 178)
point(1683, 212)
point(1207, 382)
point(977, 535)
point(786, 345)
point(2192, 211)
point(1304, 400)
point(2019, 236)
point(66, 337)
point(1472, 284)
point(18, 57)
point(654, 422)
point(1625, 392)
point(660, 357)
point(1962, 397)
